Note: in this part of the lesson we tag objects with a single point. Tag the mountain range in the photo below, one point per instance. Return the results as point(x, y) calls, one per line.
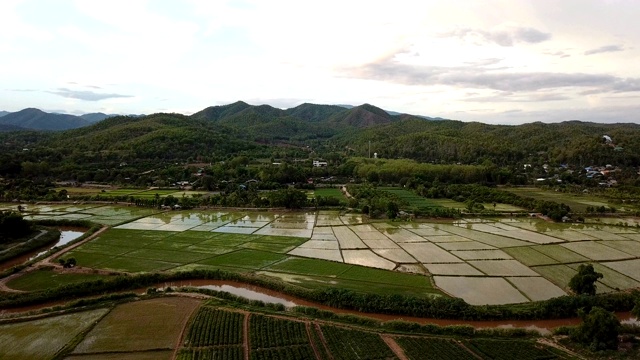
point(272, 118)
point(35, 119)
point(220, 132)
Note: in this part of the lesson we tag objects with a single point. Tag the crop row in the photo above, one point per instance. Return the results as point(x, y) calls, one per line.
point(222, 353)
point(433, 348)
point(350, 344)
point(511, 349)
point(268, 332)
point(212, 327)
point(297, 352)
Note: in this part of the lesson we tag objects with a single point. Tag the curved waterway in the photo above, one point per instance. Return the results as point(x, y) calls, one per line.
point(67, 234)
point(252, 292)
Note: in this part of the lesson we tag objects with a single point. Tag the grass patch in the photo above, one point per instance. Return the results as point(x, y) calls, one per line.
point(330, 193)
point(44, 279)
point(410, 198)
point(311, 267)
point(366, 274)
point(129, 264)
point(245, 258)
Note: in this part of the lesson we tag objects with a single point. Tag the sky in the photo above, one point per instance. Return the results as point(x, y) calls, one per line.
point(493, 61)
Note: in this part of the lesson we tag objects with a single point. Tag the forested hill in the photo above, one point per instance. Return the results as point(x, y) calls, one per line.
point(222, 132)
point(455, 141)
point(159, 136)
point(304, 122)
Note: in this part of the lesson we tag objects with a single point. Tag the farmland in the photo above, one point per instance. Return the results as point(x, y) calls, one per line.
point(151, 329)
point(42, 339)
point(529, 258)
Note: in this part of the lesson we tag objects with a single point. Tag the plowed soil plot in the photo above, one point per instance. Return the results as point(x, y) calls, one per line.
point(142, 325)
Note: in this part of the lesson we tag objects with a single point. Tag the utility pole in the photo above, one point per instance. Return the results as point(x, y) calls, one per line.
point(369, 149)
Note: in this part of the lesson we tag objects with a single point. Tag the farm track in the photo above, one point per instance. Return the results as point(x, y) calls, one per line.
point(554, 344)
point(461, 344)
point(324, 341)
point(393, 345)
point(46, 262)
point(245, 334)
point(307, 326)
point(185, 326)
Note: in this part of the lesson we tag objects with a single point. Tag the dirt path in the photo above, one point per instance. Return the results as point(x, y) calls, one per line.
point(184, 331)
point(307, 325)
point(391, 343)
point(245, 331)
point(548, 342)
point(345, 192)
point(462, 345)
point(324, 341)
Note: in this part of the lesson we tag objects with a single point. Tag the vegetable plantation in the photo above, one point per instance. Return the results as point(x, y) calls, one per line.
point(212, 327)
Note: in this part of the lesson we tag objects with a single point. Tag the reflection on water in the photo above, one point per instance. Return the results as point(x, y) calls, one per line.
point(66, 236)
point(249, 294)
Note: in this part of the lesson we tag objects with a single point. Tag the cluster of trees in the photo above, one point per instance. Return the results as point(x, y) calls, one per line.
point(13, 226)
point(476, 194)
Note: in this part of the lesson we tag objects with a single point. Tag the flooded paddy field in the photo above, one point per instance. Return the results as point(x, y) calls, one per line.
point(530, 259)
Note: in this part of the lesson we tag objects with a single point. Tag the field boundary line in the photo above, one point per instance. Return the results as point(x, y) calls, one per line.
point(307, 326)
point(323, 340)
point(245, 331)
point(184, 330)
point(393, 345)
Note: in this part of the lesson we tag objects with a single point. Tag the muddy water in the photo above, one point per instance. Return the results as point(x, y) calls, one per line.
point(269, 296)
point(67, 235)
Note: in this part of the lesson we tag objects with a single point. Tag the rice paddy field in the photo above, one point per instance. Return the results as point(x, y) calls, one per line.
point(527, 259)
point(184, 328)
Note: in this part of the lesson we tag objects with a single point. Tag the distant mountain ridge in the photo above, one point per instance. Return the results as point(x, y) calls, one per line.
point(36, 119)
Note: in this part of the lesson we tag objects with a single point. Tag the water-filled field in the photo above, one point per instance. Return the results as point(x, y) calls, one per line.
point(531, 259)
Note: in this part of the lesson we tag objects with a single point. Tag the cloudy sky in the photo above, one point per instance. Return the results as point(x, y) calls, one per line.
point(495, 61)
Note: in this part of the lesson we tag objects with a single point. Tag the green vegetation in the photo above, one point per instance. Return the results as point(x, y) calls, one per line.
point(12, 226)
point(350, 344)
point(599, 329)
point(43, 338)
point(44, 279)
point(268, 332)
point(584, 282)
point(433, 348)
point(511, 349)
point(212, 327)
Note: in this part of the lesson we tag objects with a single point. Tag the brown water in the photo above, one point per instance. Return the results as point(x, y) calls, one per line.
point(269, 296)
point(67, 234)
